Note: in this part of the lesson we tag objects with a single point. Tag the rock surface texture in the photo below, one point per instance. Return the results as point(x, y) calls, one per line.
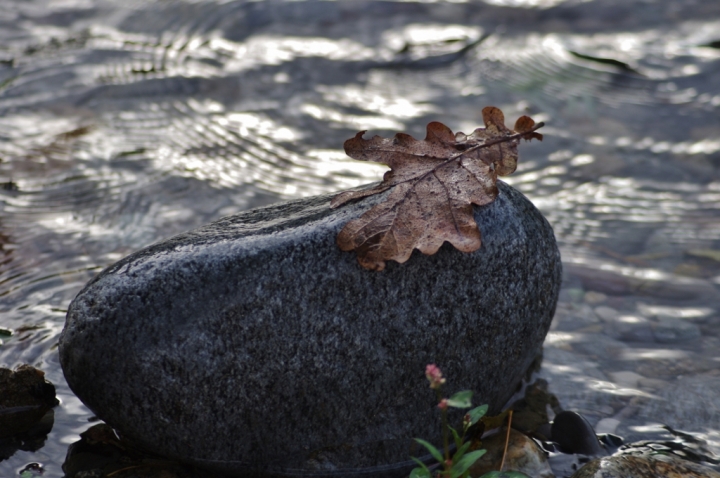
point(25, 396)
point(649, 465)
point(255, 346)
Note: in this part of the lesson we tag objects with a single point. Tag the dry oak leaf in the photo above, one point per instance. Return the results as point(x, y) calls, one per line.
point(435, 183)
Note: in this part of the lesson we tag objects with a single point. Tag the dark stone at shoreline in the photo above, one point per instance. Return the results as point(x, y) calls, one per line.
point(652, 463)
point(101, 453)
point(574, 434)
point(254, 345)
point(26, 415)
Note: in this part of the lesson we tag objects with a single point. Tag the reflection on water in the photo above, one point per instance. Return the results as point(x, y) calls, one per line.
point(122, 123)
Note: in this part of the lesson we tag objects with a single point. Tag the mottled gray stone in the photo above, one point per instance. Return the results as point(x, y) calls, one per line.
point(575, 317)
point(255, 345)
point(670, 330)
point(630, 328)
point(627, 281)
point(650, 464)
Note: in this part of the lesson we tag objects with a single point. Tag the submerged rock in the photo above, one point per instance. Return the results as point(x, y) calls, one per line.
point(26, 415)
point(26, 396)
point(255, 344)
point(574, 434)
point(101, 453)
point(653, 464)
point(523, 455)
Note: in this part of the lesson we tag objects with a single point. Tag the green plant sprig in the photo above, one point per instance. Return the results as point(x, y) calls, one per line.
point(457, 466)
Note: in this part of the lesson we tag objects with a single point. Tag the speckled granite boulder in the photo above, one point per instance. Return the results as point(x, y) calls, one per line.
point(653, 463)
point(254, 345)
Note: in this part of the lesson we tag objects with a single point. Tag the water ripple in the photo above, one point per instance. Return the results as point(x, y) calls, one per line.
point(125, 122)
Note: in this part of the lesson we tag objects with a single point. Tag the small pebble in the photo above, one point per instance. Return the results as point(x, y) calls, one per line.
point(626, 378)
point(577, 316)
point(592, 297)
point(607, 425)
point(575, 295)
point(652, 384)
point(606, 314)
point(597, 345)
point(671, 330)
point(630, 328)
point(630, 410)
point(696, 314)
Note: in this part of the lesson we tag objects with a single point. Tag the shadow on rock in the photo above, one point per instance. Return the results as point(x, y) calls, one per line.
point(100, 453)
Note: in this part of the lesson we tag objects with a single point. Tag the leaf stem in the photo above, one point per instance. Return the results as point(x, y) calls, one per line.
point(504, 139)
point(497, 141)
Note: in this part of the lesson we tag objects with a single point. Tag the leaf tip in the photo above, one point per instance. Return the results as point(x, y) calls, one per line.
point(527, 124)
point(492, 115)
point(436, 131)
point(354, 143)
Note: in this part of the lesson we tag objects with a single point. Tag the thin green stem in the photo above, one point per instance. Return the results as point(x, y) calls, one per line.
point(445, 435)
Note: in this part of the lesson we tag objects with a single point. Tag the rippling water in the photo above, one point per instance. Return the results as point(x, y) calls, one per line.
point(125, 122)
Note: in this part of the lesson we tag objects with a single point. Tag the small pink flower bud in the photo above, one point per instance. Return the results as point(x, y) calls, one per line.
point(434, 376)
point(443, 404)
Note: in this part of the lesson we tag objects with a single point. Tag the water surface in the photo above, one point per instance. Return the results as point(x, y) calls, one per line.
point(125, 122)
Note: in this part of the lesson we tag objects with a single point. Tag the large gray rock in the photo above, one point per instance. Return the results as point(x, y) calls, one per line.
point(254, 344)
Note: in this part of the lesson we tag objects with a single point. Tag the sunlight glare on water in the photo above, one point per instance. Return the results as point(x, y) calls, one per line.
point(124, 123)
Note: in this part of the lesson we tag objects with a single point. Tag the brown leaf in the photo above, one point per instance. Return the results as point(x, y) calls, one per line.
point(526, 123)
point(436, 181)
